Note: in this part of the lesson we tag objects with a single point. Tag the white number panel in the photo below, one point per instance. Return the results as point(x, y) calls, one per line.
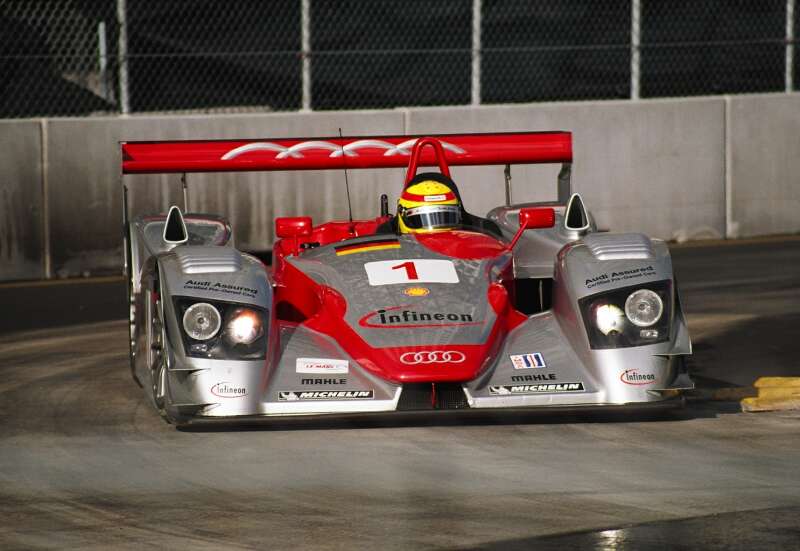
point(419, 270)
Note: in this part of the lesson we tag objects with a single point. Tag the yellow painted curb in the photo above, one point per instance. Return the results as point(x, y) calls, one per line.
point(777, 382)
point(779, 392)
point(769, 404)
point(774, 394)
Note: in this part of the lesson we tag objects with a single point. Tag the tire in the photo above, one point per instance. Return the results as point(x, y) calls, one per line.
point(158, 353)
point(132, 332)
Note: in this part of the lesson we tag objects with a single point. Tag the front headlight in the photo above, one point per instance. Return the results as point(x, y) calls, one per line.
point(244, 326)
point(609, 319)
point(629, 316)
point(201, 321)
point(644, 307)
point(223, 330)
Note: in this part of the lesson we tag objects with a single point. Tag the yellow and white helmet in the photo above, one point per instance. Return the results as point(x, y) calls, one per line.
point(428, 205)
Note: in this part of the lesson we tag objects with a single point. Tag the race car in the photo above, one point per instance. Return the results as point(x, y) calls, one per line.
point(429, 307)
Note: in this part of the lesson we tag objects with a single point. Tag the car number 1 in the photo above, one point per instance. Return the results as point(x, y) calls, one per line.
point(419, 270)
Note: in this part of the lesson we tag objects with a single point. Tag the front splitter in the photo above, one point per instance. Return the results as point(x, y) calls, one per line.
point(588, 412)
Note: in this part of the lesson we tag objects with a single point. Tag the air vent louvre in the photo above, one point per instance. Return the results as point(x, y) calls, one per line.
point(425, 396)
point(208, 260)
point(626, 246)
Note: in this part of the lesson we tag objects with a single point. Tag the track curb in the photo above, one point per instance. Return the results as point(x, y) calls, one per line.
point(774, 394)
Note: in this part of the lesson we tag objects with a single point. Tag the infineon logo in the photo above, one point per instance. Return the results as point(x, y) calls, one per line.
point(228, 390)
point(633, 377)
point(321, 365)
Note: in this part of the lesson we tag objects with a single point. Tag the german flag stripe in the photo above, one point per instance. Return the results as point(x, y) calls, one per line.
point(377, 245)
point(367, 249)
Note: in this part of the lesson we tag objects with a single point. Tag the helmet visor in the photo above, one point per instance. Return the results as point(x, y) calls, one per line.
point(432, 217)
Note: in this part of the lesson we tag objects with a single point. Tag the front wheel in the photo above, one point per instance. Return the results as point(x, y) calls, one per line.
point(132, 321)
point(158, 353)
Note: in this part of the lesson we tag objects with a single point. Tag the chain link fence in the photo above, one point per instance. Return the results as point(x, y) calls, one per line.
point(84, 57)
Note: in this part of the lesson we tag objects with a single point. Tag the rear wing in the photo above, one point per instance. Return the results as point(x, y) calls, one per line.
point(345, 152)
point(354, 152)
point(342, 152)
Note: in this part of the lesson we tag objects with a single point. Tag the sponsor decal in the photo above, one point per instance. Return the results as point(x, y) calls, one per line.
point(336, 150)
point(552, 388)
point(435, 198)
point(528, 361)
point(633, 377)
point(311, 381)
point(321, 365)
point(622, 275)
point(228, 390)
point(301, 395)
point(402, 317)
point(417, 292)
point(533, 378)
point(363, 247)
point(432, 357)
point(219, 287)
point(411, 271)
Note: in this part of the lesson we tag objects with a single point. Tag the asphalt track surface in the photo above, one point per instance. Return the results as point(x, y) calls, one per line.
point(84, 462)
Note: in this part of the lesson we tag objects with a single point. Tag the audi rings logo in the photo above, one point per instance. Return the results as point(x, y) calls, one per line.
point(433, 357)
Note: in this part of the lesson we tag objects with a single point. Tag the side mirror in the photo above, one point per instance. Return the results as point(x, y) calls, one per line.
point(175, 231)
point(533, 219)
point(293, 226)
point(537, 218)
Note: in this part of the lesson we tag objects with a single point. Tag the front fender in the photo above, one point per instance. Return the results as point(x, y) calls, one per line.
point(214, 274)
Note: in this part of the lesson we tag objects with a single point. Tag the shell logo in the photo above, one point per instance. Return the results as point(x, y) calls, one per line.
point(416, 291)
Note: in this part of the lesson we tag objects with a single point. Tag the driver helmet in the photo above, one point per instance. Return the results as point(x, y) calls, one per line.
point(428, 206)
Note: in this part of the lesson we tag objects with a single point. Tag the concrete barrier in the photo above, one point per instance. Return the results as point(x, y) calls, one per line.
point(764, 159)
point(652, 166)
point(675, 168)
point(21, 205)
point(86, 192)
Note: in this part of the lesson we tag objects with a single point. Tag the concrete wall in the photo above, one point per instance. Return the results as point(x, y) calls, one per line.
point(764, 164)
point(21, 205)
point(676, 169)
point(85, 190)
point(654, 166)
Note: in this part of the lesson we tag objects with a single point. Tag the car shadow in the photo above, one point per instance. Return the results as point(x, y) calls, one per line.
point(451, 418)
point(744, 351)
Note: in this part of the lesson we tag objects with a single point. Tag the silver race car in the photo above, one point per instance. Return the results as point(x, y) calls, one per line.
point(428, 308)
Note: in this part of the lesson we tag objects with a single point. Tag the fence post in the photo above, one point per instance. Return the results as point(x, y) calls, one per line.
point(476, 51)
point(305, 47)
point(122, 57)
point(636, 14)
point(102, 59)
point(789, 45)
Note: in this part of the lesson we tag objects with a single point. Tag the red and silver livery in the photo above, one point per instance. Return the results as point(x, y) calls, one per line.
point(527, 306)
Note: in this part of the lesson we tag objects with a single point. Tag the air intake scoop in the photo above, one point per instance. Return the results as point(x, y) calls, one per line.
point(620, 246)
point(208, 260)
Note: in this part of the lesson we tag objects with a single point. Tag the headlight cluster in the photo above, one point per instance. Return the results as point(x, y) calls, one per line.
point(222, 330)
point(631, 316)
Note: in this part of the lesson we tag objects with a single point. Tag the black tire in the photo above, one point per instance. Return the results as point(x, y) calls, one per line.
point(132, 333)
point(158, 346)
